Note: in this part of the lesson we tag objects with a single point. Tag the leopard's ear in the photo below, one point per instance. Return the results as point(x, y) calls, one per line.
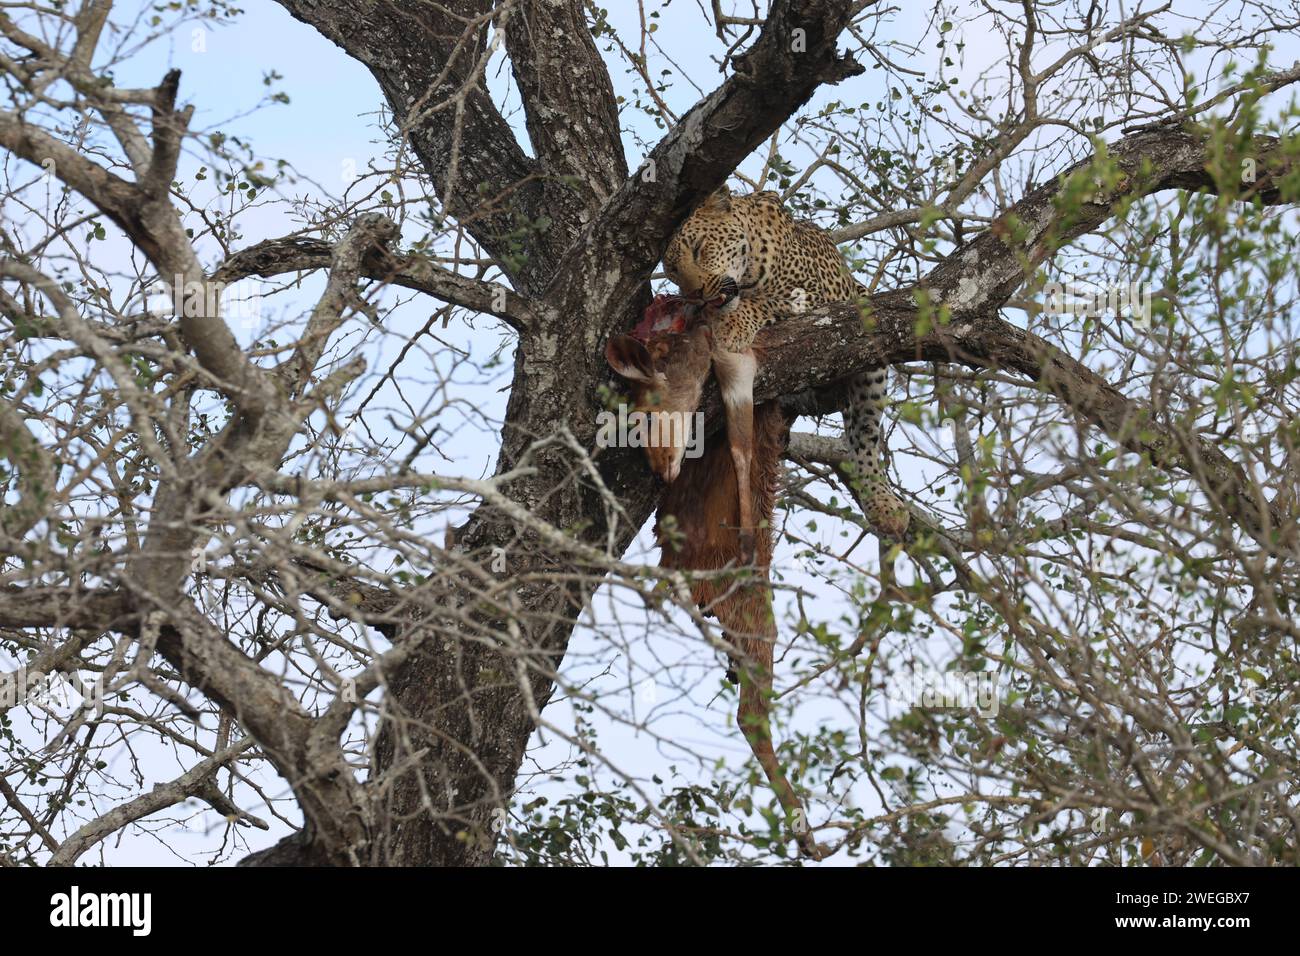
point(719, 200)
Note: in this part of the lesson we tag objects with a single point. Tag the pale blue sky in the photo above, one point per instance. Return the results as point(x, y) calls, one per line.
point(327, 124)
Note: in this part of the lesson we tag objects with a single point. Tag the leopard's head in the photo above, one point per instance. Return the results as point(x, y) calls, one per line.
point(709, 254)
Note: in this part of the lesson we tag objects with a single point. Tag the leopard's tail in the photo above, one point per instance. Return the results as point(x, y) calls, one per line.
point(863, 415)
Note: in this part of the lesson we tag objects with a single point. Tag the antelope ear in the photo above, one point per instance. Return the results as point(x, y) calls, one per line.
point(630, 359)
point(719, 200)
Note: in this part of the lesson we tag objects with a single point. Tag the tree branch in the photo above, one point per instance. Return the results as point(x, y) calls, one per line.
point(416, 272)
point(793, 56)
point(423, 57)
point(197, 781)
point(568, 98)
point(976, 282)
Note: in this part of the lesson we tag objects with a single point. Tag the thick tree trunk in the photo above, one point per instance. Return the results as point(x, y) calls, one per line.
point(461, 710)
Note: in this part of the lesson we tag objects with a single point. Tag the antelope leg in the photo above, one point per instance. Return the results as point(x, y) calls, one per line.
point(736, 371)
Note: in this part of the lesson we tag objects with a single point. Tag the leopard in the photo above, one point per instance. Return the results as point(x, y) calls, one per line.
point(749, 259)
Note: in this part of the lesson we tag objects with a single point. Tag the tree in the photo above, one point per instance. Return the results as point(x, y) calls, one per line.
point(1081, 264)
